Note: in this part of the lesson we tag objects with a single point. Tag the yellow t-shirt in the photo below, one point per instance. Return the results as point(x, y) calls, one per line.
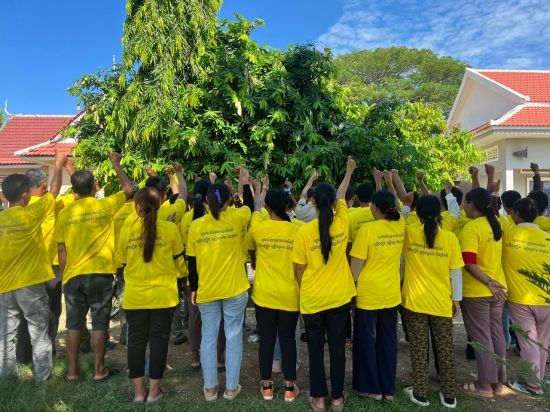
point(477, 237)
point(86, 229)
point(506, 222)
point(543, 222)
point(412, 219)
point(361, 216)
point(60, 203)
point(24, 259)
point(449, 222)
point(525, 248)
point(275, 284)
point(120, 217)
point(149, 285)
point(463, 220)
point(330, 285)
point(427, 284)
point(217, 245)
point(48, 226)
point(178, 209)
point(380, 243)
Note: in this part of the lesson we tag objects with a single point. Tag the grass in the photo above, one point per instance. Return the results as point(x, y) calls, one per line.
point(184, 394)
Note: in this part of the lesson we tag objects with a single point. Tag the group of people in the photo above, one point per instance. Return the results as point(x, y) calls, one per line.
point(343, 261)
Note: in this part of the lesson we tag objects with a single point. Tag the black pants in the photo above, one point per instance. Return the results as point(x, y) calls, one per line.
point(273, 322)
point(151, 326)
point(332, 324)
point(23, 348)
point(375, 351)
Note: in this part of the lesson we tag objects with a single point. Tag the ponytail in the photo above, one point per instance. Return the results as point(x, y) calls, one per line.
point(218, 195)
point(384, 201)
point(481, 201)
point(428, 209)
point(276, 200)
point(148, 200)
point(201, 191)
point(325, 196)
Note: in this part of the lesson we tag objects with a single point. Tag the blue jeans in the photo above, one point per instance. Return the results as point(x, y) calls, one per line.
point(233, 314)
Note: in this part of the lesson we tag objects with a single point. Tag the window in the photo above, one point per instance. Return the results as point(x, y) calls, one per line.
point(491, 154)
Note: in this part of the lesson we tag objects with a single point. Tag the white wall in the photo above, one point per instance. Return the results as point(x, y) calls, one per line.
point(480, 104)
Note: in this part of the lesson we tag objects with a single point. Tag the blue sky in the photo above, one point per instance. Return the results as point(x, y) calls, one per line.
point(45, 46)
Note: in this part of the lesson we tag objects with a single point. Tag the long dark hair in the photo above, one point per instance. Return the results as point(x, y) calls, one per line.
point(384, 200)
point(428, 209)
point(527, 209)
point(148, 200)
point(277, 200)
point(325, 196)
point(218, 195)
point(201, 191)
point(480, 198)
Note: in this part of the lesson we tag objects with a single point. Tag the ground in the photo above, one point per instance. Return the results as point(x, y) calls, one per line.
point(185, 386)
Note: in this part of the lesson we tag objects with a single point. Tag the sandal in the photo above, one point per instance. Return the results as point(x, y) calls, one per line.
point(71, 380)
point(163, 393)
point(110, 374)
point(196, 366)
point(340, 407)
point(472, 389)
point(141, 401)
point(314, 406)
point(210, 398)
point(233, 396)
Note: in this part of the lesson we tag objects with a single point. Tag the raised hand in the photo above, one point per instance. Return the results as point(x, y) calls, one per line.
point(169, 170)
point(535, 168)
point(351, 164)
point(489, 169)
point(473, 171)
point(265, 181)
point(150, 171)
point(420, 177)
point(178, 167)
point(115, 158)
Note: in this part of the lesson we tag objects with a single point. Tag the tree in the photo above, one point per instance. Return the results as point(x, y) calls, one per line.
point(401, 72)
point(280, 112)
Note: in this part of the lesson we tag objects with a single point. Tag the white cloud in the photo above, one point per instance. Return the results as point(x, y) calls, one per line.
point(491, 33)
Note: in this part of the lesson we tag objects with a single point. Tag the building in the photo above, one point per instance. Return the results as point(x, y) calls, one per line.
point(30, 141)
point(508, 112)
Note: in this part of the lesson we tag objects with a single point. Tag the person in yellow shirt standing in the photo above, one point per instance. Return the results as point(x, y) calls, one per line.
point(148, 248)
point(326, 288)
point(86, 259)
point(25, 267)
point(432, 290)
point(526, 252)
point(219, 283)
point(275, 294)
point(375, 264)
point(484, 290)
point(39, 187)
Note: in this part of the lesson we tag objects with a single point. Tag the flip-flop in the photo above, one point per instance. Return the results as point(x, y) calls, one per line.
point(232, 397)
point(340, 408)
point(196, 367)
point(472, 389)
point(210, 398)
point(163, 393)
point(141, 401)
point(71, 380)
point(314, 406)
point(110, 373)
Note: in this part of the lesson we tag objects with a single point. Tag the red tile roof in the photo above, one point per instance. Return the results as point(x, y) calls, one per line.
point(22, 131)
point(534, 84)
point(49, 149)
point(530, 116)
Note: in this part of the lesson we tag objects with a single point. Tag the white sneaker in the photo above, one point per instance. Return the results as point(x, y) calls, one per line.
point(445, 404)
point(410, 393)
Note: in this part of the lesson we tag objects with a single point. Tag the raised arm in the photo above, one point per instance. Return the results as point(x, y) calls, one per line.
point(309, 184)
point(342, 189)
point(125, 183)
point(490, 171)
point(171, 178)
point(537, 181)
point(378, 176)
point(474, 175)
point(182, 184)
point(259, 194)
point(452, 204)
point(398, 184)
point(423, 188)
point(69, 166)
point(55, 185)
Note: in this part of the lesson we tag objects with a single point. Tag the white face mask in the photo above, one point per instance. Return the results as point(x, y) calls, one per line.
point(100, 194)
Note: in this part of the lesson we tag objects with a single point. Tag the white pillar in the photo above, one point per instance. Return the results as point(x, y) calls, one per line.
point(509, 179)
